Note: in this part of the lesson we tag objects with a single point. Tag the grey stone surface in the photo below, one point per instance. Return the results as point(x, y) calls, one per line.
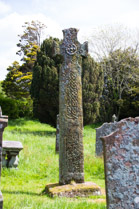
point(71, 159)
point(10, 152)
point(121, 159)
point(104, 130)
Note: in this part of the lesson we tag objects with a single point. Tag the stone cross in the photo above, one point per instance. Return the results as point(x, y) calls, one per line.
point(3, 124)
point(71, 158)
point(121, 160)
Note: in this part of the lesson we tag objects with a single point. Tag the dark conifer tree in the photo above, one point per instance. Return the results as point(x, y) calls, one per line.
point(45, 85)
point(92, 86)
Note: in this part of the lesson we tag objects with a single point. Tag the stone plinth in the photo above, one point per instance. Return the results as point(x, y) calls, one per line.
point(104, 130)
point(121, 157)
point(73, 190)
point(10, 152)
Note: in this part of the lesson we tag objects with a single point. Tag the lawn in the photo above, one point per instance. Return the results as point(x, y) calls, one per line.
point(22, 188)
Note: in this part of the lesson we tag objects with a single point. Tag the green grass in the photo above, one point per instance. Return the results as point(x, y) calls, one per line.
point(22, 188)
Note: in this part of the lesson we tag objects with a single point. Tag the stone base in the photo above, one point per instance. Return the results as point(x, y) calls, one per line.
point(73, 190)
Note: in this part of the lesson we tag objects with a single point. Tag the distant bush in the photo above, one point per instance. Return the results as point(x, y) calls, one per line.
point(15, 108)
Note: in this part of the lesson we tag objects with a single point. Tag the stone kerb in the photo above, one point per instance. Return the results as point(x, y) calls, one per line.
point(104, 130)
point(121, 161)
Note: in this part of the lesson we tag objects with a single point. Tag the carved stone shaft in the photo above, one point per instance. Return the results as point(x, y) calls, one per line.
point(71, 159)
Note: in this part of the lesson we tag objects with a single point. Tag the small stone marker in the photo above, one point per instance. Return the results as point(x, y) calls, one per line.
point(57, 134)
point(3, 124)
point(104, 130)
point(121, 158)
point(10, 152)
point(114, 118)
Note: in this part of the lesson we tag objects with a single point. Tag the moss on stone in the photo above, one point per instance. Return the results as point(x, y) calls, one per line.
point(73, 189)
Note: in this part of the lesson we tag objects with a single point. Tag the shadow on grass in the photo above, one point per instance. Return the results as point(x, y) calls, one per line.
point(36, 133)
point(21, 192)
point(20, 121)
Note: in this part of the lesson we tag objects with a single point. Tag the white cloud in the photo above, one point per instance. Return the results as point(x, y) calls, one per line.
point(129, 19)
point(4, 8)
point(85, 15)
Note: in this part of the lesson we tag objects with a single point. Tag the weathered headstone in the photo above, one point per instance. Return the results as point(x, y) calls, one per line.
point(121, 158)
point(104, 130)
point(3, 124)
point(57, 134)
point(71, 159)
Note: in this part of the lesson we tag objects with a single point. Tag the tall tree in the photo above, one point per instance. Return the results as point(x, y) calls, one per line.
point(121, 76)
point(108, 38)
point(30, 40)
point(18, 80)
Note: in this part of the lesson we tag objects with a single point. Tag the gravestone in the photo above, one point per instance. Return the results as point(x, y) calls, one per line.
point(57, 134)
point(121, 160)
point(71, 158)
point(104, 130)
point(3, 124)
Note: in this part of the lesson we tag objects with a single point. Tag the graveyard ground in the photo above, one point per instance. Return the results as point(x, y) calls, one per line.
point(38, 166)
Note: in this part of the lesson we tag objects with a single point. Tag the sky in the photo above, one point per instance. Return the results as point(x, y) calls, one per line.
point(58, 15)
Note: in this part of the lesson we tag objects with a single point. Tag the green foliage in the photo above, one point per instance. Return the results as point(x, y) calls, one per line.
point(38, 166)
point(92, 86)
point(2, 93)
point(15, 108)
point(130, 107)
point(17, 84)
